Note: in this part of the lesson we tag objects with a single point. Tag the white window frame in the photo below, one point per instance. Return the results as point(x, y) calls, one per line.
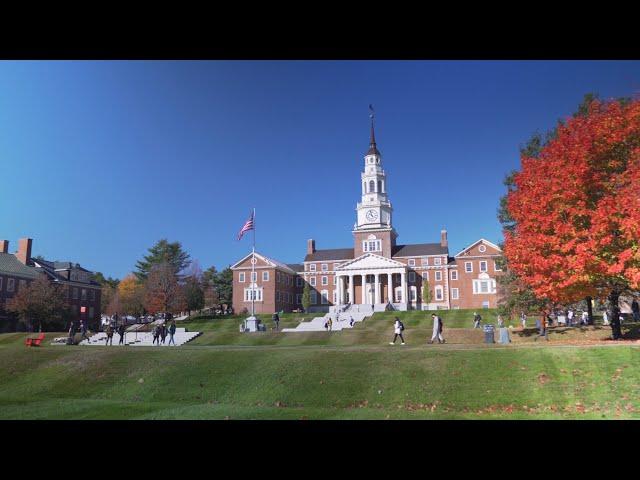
point(425, 262)
point(439, 293)
point(437, 261)
point(437, 277)
point(495, 267)
point(490, 286)
point(265, 276)
point(455, 294)
point(312, 267)
point(372, 246)
point(425, 276)
point(412, 262)
point(324, 267)
point(454, 275)
point(324, 281)
point(312, 281)
point(257, 294)
point(486, 266)
point(241, 277)
point(468, 264)
point(486, 304)
point(254, 277)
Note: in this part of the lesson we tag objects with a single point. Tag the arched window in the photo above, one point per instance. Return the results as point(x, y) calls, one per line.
point(379, 185)
point(372, 186)
point(364, 187)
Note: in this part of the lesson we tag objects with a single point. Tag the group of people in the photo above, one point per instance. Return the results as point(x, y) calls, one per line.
point(159, 332)
point(121, 329)
point(73, 330)
point(398, 328)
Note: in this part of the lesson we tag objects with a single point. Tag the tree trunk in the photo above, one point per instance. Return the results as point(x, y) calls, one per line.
point(590, 310)
point(614, 311)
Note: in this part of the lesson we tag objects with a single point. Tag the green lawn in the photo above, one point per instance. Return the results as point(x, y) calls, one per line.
point(317, 379)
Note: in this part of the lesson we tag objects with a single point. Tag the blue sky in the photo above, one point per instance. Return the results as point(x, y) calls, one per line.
point(99, 160)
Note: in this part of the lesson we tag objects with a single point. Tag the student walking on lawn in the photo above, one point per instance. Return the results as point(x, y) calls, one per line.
point(83, 331)
point(172, 331)
point(109, 332)
point(121, 330)
point(543, 327)
point(437, 329)
point(398, 328)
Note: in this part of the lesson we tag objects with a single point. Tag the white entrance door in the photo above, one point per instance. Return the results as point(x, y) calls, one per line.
point(398, 294)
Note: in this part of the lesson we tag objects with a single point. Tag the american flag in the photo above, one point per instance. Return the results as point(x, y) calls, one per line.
point(247, 226)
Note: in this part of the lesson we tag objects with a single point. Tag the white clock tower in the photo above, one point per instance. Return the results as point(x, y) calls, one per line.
point(374, 210)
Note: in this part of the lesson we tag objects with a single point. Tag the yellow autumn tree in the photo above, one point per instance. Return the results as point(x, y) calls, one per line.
point(131, 295)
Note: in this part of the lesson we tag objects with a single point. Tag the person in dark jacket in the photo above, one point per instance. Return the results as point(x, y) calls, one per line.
point(83, 331)
point(163, 332)
point(172, 332)
point(276, 320)
point(121, 332)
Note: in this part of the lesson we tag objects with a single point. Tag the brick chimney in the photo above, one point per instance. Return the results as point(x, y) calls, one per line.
point(4, 246)
point(311, 246)
point(24, 250)
point(443, 238)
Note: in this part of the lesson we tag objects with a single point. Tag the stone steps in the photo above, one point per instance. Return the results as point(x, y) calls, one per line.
point(143, 339)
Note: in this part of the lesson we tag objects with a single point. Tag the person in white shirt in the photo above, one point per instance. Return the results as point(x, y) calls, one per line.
point(437, 329)
point(585, 318)
point(523, 320)
point(605, 318)
point(570, 318)
point(398, 327)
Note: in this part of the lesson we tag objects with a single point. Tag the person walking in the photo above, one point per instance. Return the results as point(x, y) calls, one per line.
point(437, 329)
point(72, 333)
point(570, 317)
point(172, 332)
point(83, 331)
point(605, 318)
point(585, 318)
point(163, 332)
point(476, 320)
point(121, 332)
point(109, 339)
point(543, 327)
point(156, 334)
point(398, 328)
point(351, 321)
point(523, 320)
point(330, 323)
point(276, 319)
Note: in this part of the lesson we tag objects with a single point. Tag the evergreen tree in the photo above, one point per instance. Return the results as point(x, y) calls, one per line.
point(224, 286)
point(194, 294)
point(161, 253)
point(306, 297)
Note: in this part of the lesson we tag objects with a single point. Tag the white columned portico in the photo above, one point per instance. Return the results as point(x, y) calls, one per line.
point(351, 289)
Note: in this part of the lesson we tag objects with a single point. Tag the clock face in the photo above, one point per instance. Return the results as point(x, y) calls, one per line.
point(372, 215)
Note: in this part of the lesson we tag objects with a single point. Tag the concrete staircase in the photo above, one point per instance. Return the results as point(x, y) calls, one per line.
point(141, 339)
point(341, 320)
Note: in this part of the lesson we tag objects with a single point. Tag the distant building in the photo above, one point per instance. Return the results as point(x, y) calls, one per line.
point(19, 269)
point(376, 271)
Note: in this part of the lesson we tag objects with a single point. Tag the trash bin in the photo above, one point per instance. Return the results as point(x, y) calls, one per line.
point(488, 334)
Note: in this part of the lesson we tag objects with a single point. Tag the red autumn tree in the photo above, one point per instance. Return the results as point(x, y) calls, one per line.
point(162, 291)
point(577, 210)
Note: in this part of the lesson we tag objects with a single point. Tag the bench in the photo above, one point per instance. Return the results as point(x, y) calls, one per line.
point(30, 342)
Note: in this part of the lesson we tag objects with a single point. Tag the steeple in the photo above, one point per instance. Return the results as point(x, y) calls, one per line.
point(373, 150)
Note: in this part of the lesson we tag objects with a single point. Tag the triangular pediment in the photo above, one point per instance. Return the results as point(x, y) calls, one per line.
point(474, 249)
point(370, 260)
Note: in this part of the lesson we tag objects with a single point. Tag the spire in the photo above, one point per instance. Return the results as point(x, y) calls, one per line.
point(373, 150)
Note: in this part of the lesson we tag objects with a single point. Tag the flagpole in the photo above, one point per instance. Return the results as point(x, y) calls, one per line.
point(253, 267)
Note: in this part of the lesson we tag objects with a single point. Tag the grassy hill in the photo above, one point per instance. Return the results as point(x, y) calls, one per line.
point(379, 382)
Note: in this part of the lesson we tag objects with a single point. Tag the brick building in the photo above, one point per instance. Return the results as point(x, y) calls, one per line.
point(19, 269)
point(376, 271)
